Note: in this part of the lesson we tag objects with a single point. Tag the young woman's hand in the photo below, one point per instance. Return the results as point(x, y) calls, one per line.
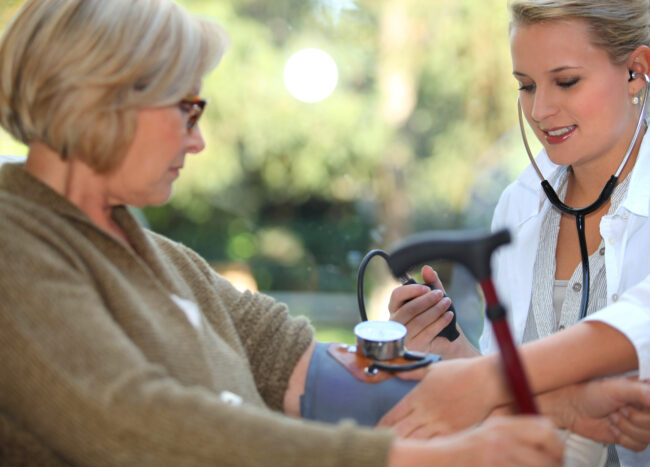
point(425, 314)
point(611, 411)
point(615, 410)
point(451, 396)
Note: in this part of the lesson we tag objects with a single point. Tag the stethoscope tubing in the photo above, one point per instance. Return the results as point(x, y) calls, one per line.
point(605, 194)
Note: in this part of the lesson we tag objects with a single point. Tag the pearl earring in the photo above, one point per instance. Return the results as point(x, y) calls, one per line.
point(635, 101)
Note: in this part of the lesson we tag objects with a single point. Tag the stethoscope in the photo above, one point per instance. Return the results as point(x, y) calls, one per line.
point(605, 194)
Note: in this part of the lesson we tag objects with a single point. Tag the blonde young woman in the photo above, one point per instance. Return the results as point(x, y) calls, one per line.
point(582, 70)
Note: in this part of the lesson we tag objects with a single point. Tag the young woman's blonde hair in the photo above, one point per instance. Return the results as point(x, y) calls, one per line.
point(73, 73)
point(617, 26)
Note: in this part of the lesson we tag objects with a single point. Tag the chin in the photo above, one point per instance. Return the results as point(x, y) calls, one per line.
point(154, 199)
point(161, 200)
point(558, 157)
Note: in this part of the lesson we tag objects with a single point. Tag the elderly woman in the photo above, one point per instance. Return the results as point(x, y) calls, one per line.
point(119, 346)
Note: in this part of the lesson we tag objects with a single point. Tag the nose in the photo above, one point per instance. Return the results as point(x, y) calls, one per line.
point(195, 143)
point(544, 105)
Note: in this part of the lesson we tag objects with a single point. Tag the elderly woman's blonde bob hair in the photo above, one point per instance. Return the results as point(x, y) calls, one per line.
point(73, 73)
point(617, 26)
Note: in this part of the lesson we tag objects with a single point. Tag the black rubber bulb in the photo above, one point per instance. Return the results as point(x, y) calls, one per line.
point(449, 332)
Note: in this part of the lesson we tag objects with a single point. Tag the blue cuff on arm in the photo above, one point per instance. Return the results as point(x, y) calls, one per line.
point(332, 393)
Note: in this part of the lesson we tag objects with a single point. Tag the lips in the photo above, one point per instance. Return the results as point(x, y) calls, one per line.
point(560, 134)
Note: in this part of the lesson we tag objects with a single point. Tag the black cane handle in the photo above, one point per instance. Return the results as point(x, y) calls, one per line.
point(472, 249)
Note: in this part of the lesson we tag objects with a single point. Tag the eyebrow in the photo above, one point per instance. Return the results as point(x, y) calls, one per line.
point(554, 70)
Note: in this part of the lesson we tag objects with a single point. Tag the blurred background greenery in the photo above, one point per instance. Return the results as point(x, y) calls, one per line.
point(418, 134)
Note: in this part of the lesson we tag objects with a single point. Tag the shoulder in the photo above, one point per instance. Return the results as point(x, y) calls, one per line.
point(28, 225)
point(517, 201)
point(189, 264)
point(175, 251)
point(637, 199)
point(524, 197)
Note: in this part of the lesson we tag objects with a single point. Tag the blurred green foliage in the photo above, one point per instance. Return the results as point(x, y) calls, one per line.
point(417, 135)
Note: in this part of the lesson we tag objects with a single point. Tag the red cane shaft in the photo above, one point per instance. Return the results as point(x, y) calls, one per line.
point(513, 368)
point(511, 362)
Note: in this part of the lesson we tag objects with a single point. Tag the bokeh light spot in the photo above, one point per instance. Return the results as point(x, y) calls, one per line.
point(310, 75)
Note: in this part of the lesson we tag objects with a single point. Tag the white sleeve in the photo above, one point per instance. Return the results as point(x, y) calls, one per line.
point(7, 158)
point(631, 316)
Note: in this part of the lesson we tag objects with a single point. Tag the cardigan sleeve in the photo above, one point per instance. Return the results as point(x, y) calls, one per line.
point(273, 340)
point(72, 377)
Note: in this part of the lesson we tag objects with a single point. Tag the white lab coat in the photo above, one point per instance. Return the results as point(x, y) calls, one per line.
point(522, 208)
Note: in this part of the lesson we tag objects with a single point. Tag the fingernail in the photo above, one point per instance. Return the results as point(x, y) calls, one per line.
point(614, 418)
point(446, 301)
point(625, 411)
point(424, 289)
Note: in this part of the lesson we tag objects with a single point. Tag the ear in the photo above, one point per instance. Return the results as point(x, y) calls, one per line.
point(639, 62)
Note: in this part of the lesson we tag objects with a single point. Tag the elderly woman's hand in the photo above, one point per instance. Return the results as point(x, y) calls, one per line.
point(499, 442)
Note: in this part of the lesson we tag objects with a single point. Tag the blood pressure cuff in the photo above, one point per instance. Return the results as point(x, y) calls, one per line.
point(332, 393)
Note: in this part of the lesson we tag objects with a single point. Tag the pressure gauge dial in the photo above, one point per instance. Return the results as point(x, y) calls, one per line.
point(380, 340)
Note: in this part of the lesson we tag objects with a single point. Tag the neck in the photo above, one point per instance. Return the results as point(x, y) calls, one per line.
point(75, 181)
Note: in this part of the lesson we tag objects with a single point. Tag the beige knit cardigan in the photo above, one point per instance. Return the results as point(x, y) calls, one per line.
point(113, 356)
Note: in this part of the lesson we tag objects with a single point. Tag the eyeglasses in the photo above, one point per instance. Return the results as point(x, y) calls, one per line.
point(193, 105)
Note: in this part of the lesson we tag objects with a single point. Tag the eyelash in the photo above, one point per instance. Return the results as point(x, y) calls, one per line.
point(526, 88)
point(562, 84)
point(569, 83)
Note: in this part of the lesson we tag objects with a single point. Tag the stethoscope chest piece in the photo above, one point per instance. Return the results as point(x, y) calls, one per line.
point(380, 340)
